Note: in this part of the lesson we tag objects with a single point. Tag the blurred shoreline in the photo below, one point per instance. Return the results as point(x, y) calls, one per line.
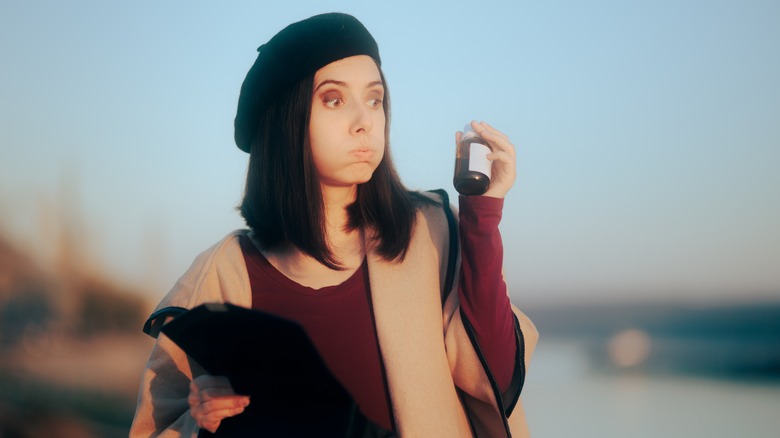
point(72, 350)
point(735, 340)
point(72, 388)
point(71, 346)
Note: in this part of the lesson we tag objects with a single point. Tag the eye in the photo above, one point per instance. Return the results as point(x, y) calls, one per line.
point(375, 103)
point(333, 102)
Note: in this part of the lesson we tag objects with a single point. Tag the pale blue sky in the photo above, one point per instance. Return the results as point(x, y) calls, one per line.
point(648, 132)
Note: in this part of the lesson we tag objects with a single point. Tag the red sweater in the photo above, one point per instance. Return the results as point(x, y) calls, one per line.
point(340, 321)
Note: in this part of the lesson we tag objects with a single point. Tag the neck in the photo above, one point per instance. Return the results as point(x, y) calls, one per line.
point(346, 244)
point(335, 202)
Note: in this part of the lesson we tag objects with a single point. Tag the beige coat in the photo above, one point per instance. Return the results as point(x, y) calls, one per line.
point(434, 373)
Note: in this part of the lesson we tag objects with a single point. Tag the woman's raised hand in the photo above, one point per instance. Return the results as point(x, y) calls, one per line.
point(212, 399)
point(504, 169)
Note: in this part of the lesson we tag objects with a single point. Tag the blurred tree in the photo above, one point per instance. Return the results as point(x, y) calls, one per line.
point(105, 308)
point(26, 313)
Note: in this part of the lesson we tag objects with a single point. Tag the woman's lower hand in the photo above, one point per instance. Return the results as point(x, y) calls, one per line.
point(212, 399)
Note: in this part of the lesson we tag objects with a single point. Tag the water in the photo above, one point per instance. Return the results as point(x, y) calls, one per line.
point(566, 397)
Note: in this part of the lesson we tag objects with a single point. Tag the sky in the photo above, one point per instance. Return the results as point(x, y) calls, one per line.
point(648, 133)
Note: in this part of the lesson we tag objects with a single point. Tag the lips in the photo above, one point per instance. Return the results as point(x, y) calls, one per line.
point(363, 154)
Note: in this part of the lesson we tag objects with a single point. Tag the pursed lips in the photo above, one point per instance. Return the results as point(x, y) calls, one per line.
point(363, 153)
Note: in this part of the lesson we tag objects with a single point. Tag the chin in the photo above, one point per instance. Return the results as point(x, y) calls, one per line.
point(364, 177)
point(363, 180)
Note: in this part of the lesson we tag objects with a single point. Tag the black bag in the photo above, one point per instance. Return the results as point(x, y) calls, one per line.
point(272, 360)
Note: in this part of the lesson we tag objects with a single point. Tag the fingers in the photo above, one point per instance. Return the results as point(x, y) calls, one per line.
point(498, 140)
point(503, 157)
point(209, 417)
point(212, 399)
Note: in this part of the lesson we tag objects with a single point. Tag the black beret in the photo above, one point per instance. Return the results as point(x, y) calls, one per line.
point(294, 53)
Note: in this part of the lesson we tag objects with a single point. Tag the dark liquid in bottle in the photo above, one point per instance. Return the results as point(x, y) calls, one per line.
point(468, 182)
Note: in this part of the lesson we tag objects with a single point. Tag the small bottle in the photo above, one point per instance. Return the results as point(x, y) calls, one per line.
point(472, 168)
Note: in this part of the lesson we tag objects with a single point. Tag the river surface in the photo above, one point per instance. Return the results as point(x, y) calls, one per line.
point(565, 396)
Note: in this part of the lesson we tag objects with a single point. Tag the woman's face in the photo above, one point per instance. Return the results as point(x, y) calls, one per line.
point(347, 125)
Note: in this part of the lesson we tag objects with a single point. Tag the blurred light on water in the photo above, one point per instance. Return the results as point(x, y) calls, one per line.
point(565, 396)
point(629, 348)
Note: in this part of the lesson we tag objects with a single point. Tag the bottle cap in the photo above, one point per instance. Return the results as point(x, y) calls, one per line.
point(470, 134)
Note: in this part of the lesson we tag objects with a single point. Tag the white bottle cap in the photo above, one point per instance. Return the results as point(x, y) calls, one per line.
point(470, 134)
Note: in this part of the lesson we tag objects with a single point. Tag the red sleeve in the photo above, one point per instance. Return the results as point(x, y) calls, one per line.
point(482, 290)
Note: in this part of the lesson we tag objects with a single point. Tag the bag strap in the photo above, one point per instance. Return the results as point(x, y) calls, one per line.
point(155, 322)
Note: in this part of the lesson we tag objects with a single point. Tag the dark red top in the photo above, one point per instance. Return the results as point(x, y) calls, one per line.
point(340, 321)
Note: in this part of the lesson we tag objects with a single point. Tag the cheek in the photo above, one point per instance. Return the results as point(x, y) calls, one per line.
point(323, 139)
point(381, 119)
point(320, 153)
point(379, 127)
point(318, 132)
point(378, 137)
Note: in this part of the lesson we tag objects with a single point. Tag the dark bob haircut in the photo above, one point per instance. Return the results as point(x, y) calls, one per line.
point(283, 200)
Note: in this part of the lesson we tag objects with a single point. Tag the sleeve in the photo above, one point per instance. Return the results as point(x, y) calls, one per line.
point(163, 410)
point(483, 292)
point(217, 275)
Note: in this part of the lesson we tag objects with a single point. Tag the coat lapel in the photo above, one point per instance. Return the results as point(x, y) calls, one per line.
point(407, 309)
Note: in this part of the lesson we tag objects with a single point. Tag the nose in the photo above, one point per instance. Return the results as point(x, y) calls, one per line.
point(362, 120)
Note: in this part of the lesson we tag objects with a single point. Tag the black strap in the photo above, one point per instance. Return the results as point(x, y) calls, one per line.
point(155, 322)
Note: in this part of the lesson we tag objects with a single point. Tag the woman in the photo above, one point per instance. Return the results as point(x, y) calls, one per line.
point(338, 245)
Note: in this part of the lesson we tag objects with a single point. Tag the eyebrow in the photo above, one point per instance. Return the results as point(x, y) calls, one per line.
point(344, 84)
